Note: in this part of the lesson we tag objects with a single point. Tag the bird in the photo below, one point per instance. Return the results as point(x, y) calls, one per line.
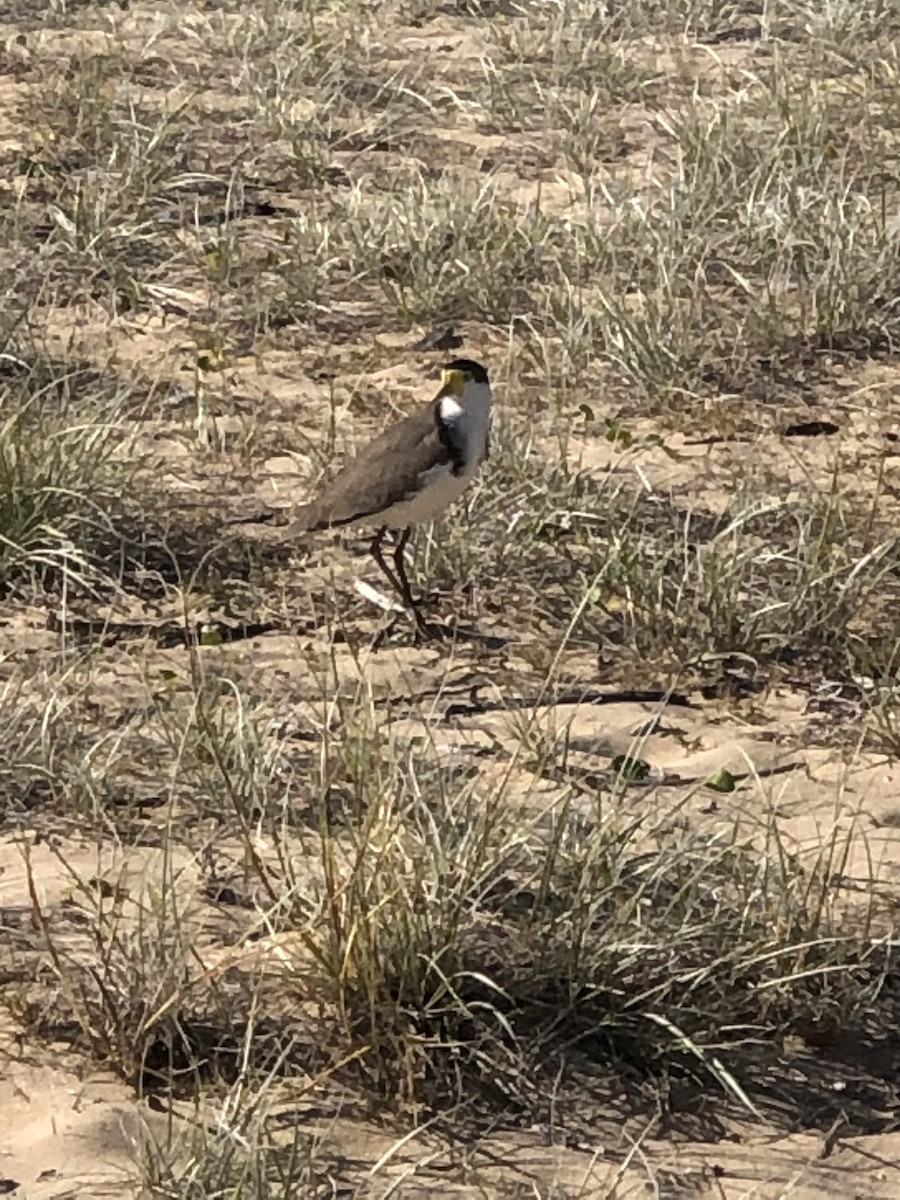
point(411, 473)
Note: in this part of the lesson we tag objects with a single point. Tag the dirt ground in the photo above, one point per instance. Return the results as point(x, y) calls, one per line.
point(597, 895)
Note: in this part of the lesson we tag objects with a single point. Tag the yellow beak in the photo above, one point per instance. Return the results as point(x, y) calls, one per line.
point(453, 381)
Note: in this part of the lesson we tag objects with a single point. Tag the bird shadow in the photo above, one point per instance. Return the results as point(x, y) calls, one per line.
point(437, 633)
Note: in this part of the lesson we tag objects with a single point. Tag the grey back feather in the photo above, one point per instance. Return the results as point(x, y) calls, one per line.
point(389, 470)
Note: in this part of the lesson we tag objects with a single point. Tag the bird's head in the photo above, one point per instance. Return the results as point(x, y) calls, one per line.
point(458, 376)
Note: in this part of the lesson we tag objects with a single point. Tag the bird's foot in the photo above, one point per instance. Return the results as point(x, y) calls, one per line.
point(424, 632)
point(431, 631)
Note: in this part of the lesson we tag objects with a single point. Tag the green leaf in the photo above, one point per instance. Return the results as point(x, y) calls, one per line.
point(618, 434)
point(721, 781)
point(633, 770)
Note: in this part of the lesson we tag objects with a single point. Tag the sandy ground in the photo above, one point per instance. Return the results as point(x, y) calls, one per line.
point(71, 1128)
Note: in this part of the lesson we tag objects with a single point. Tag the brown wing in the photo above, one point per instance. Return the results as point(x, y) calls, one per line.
point(388, 470)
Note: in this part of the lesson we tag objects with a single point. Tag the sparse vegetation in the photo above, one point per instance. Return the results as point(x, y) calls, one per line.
point(615, 865)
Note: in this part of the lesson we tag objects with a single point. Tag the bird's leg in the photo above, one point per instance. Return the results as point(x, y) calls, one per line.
point(405, 589)
point(400, 566)
point(375, 551)
point(399, 581)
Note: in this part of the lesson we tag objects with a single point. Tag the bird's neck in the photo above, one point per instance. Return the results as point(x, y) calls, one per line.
point(476, 404)
point(477, 401)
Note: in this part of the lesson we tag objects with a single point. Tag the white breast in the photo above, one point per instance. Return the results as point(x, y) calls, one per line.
point(471, 421)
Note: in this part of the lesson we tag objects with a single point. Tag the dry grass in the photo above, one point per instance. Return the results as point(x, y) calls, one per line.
point(275, 881)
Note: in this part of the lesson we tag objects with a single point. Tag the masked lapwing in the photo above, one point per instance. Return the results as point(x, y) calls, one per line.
point(410, 474)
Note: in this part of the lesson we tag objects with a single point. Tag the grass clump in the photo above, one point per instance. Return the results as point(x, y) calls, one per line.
point(64, 465)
